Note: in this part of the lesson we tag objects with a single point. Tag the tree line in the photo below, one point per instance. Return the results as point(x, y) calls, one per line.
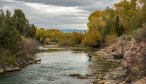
point(14, 29)
point(105, 26)
point(48, 36)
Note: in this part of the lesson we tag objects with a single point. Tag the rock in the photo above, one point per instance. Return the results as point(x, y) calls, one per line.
point(132, 56)
point(117, 56)
point(82, 77)
point(9, 69)
point(142, 81)
point(17, 68)
point(89, 75)
point(38, 61)
point(118, 75)
point(111, 82)
point(74, 75)
point(78, 76)
point(17, 65)
point(1, 70)
point(99, 82)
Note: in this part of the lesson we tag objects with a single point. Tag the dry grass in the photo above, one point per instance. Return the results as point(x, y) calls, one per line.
point(6, 57)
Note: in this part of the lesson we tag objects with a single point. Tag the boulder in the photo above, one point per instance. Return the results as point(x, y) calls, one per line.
point(17, 68)
point(9, 69)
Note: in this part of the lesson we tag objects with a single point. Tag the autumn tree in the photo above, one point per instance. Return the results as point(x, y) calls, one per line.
point(125, 17)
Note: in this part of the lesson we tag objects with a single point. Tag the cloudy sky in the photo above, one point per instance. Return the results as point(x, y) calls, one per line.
point(61, 14)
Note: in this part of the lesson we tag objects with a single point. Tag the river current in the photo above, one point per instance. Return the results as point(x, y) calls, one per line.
point(55, 68)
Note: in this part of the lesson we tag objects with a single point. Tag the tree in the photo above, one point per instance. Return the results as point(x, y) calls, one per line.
point(92, 37)
point(144, 10)
point(22, 24)
point(118, 28)
point(123, 18)
point(76, 38)
point(9, 36)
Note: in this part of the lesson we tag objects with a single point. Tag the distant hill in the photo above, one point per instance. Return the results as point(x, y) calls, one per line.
point(72, 30)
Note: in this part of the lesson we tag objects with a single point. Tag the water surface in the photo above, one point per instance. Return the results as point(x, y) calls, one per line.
point(54, 69)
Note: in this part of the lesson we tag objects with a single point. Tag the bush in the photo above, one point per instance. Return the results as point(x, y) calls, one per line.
point(110, 39)
point(125, 37)
point(92, 37)
point(140, 34)
point(65, 42)
point(28, 47)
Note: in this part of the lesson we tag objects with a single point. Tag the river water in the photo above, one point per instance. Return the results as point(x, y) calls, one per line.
point(54, 69)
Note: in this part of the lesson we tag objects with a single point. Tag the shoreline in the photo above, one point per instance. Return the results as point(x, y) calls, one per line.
point(5, 68)
point(129, 54)
point(112, 73)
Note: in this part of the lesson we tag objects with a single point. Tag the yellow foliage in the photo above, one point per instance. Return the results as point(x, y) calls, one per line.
point(96, 20)
point(111, 38)
point(92, 37)
point(71, 39)
point(52, 34)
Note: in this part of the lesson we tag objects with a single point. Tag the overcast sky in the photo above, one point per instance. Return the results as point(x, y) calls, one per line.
point(61, 14)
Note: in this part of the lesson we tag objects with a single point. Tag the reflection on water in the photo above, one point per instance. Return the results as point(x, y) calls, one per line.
point(54, 69)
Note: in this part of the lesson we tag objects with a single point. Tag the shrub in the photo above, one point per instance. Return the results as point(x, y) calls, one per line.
point(110, 39)
point(140, 34)
point(92, 37)
point(125, 37)
point(27, 47)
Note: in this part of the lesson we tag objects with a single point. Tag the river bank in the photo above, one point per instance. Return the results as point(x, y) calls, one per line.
point(102, 65)
point(4, 68)
point(56, 47)
point(131, 56)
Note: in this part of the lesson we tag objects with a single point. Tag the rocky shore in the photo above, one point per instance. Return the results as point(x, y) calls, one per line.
point(131, 54)
point(17, 66)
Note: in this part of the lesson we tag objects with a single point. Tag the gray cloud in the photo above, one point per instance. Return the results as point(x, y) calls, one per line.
point(57, 13)
point(63, 2)
point(85, 4)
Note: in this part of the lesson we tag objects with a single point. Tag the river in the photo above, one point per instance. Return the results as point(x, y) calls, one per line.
point(54, 69)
